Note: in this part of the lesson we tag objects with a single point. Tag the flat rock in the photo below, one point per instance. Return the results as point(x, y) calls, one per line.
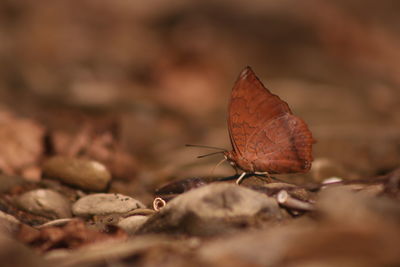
point(45, 202)
point(83, 173)
point(215, 208)
point(102, 204)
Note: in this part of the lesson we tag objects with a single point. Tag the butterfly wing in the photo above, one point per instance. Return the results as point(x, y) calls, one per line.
point(264, 131)
point(250, 108)
point(284, 145)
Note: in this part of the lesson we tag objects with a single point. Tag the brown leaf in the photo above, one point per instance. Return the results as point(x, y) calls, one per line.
point(73, 235)
point(97, 141)
point(21, 143)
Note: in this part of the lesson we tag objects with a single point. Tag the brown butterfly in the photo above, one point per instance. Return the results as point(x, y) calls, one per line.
point(265, 135)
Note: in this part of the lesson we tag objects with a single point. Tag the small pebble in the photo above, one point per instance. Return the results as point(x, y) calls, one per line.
point(82, 173)
point(102, 204)
point(45, 202)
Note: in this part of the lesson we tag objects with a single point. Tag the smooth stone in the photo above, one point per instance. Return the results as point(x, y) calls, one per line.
point(102, 204)
point(213, 209)
point(8, 223)
point(132, 223)
point(45, 202)
point(83, 173)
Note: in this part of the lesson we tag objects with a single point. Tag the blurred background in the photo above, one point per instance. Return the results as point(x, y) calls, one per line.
point(130, 83)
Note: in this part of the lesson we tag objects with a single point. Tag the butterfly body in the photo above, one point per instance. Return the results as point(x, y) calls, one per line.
point(264, 133)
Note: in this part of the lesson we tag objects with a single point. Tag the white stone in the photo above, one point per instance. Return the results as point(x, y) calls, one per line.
point(45, 202)
point(102, 204)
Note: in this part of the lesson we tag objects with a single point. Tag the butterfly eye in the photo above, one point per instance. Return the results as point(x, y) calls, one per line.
point(306, 164)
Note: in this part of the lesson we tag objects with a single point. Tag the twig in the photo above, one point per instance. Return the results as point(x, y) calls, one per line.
point(288, 201)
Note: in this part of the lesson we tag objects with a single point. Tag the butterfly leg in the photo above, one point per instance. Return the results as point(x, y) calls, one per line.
point(239, 180)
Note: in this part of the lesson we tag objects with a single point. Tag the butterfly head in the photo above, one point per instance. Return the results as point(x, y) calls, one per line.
point(238, 162)
point(230, 156)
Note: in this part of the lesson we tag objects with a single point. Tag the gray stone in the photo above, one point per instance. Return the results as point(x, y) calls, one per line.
point(132, 223)
point(101, 204)
point(45, 202)
point(212, 209)
point(85, 174)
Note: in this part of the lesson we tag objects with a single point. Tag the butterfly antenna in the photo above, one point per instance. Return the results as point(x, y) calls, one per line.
point(209, 147)
point(216, 166)
point(209, 154)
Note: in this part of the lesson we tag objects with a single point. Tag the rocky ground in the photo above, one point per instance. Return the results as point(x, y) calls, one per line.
point(98, 99)
point(60, 205)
